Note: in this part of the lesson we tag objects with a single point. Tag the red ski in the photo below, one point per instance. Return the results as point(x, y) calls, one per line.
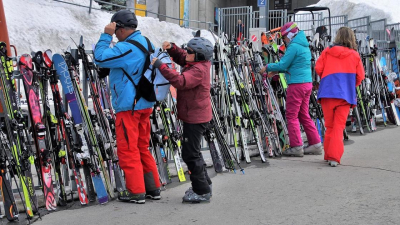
point(38, 129)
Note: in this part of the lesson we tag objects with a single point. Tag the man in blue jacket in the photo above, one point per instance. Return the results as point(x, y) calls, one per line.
point(126, 62)
point(296, 63)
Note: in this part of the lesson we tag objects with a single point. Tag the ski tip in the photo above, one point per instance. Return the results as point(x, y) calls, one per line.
point(242, 170)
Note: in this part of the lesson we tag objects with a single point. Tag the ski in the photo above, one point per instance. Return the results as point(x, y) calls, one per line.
point(38, 129)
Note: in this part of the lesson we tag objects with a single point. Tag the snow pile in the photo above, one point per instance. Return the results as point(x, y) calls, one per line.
point(37, 25)
point(380, 9)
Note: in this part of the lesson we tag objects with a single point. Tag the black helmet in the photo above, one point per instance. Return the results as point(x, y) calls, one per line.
point(203, 48)
point(125, 18)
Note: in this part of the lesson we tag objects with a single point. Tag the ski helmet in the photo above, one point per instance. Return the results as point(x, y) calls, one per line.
point(202, 47)
point(289, 27)
point(125, 18)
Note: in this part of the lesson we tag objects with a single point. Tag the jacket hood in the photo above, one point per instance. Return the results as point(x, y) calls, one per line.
point(340, 51)
point(301, 39)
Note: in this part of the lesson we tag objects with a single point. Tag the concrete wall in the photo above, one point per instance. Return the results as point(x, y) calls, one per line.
point(295, 4)
point(169, 8)
point(203, 10)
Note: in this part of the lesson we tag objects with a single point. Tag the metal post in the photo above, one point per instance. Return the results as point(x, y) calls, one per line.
point(130, 4)
point(3, 28)
point(90, 6)
point(267, 14)
point(84, 81)
point(369, 26)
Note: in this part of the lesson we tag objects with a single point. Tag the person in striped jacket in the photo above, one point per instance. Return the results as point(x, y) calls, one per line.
point(341, 71)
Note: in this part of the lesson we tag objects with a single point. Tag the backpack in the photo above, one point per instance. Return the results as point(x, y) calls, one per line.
point(152, 85)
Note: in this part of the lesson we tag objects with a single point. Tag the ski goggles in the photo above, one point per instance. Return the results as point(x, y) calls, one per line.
point(190, 51)
point(118, 26)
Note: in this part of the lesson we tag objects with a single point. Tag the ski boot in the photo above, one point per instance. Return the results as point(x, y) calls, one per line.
point(313, 149)
point(127, 196)
point(191, 190)
point(333, 163)
point(192, 197)
point(155, 195)
point(294, 151)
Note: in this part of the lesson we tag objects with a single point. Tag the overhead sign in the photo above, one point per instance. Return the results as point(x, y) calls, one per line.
point(283, 4)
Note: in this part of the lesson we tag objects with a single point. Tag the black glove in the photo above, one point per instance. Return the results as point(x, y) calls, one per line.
point(103, 72)
point(157, 63)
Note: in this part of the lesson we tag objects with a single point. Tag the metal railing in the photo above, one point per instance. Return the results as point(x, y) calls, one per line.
point(276, 18)
point(378, 29)
point(178, 20)
point(308, 22)
point(336, 23)
point(229, 21)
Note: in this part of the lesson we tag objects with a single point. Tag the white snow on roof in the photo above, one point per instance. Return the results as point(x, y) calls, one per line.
point(37, 25)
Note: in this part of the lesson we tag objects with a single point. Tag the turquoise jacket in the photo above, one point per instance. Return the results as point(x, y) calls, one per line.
point(123, 56)
point(296, 63)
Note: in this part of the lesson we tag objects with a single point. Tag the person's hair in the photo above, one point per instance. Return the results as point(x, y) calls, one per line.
point(346, 37)
point(130, 28)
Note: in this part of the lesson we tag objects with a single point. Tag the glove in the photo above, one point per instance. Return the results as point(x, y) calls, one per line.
point(103, 72)
point(264, 69)
point(157, 63)
point(264, 76)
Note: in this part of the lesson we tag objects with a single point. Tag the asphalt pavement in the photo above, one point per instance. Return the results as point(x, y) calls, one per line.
point(364, 189)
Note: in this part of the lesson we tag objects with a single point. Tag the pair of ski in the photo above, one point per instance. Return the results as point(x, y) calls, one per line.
point(261, 102)
point(276, 92)
point(21, 157)
point(234, 114)
point(60, 130)
point(97, 151)
point(84, 133)
point(166, 132)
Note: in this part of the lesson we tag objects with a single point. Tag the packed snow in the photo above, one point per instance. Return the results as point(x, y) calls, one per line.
point(377, 9)
point(37, 25)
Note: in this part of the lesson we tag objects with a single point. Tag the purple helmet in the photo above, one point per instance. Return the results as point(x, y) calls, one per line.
point(289, 27)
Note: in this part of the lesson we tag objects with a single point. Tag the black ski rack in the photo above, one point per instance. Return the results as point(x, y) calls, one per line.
point(315, 9)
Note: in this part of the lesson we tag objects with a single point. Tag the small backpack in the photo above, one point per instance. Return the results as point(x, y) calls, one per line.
point(152, 85)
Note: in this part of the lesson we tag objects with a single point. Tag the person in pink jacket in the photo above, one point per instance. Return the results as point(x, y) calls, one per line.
point(194, 107)
point(341, 70)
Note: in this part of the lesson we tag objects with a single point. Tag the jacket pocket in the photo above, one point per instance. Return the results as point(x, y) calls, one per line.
point(122, 133)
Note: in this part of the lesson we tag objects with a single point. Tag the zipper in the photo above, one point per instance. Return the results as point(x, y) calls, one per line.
point(163, 84)
point(125, 134)
point(115, 91)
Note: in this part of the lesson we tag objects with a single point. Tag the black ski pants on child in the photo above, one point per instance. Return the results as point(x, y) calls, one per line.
point(192, 134)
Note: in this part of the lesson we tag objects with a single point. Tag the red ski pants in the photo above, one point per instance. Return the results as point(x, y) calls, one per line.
point(133, 136)
point(335, 114)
